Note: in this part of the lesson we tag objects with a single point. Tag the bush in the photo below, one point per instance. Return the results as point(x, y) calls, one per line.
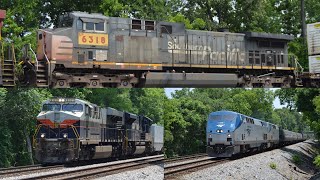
point(317, 161)
point(273, 166)
point(296, 159)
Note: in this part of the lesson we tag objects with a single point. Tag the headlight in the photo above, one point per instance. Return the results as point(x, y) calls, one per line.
point(229, 135)
point(42, 135)
point(65, 136)
point(221, 131)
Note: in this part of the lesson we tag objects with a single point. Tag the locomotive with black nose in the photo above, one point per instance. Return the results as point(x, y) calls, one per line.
point(73, 130)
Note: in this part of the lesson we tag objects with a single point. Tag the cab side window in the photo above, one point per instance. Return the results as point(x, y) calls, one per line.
point(90, 26)
point(94, 26)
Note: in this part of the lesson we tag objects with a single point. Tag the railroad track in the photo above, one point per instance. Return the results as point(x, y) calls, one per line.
point(182, 158)
point(99, 170)
point(176, 169)
point(19, 167)
point(17, 171)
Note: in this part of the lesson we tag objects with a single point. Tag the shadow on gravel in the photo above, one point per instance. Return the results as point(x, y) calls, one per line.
point(302, 159)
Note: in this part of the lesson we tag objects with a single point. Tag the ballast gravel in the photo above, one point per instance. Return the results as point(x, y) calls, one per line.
point(277, 164)
point(66, 169)
point(154, 172)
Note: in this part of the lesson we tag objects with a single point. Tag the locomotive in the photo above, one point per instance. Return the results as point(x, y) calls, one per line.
point(92, 50)
point(72, 130)
point(229, 133)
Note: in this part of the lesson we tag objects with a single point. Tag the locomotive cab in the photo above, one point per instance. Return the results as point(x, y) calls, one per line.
point(220, 132)
point(268, 50)
point(57, 136)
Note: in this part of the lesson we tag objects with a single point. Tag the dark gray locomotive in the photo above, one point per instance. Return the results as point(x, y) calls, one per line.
point(73, 130)
point(92, 50)
point(230, 133)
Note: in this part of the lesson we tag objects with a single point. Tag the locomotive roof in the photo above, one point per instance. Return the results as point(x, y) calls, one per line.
point(284, 37)
point(87, 15)
point(232, 112)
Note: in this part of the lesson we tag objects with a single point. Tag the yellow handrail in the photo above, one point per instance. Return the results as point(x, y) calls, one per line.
point(35, 134)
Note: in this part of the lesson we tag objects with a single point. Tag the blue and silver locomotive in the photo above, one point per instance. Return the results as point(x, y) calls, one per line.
point(230, 133)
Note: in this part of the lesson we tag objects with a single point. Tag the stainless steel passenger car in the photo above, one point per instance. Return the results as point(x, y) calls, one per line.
point(72, 129)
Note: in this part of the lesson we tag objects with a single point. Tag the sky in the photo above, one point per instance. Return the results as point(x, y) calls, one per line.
point(276, 102)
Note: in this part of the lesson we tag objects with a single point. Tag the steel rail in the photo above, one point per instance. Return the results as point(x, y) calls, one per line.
point(27, 169)
point(19, 167)
point(95, 170)
point(185, 157)
point(177, 168)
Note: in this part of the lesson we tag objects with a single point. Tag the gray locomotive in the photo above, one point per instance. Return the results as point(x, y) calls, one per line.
point(230, 133)
point(92, 50)
point(72, 130)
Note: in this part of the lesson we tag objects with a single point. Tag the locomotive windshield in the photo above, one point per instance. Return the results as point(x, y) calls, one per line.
point(51, 107)
point(229, 117)
point(72, 107)
point(223, 122)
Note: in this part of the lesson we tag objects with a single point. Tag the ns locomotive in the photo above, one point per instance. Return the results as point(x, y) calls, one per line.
point(230, 133)
point(92, 50)
point(73, 130)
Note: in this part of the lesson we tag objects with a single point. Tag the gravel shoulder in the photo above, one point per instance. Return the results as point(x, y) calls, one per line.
point(259, 166)
point(147, 173)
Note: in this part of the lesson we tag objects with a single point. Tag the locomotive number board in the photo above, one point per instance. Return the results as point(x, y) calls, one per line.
point(93, 39)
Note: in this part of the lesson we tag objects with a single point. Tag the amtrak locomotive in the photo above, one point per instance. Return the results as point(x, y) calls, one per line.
point(230, 133)
point(72, 129)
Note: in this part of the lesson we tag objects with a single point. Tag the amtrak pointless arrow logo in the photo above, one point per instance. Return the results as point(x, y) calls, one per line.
point(220, 124)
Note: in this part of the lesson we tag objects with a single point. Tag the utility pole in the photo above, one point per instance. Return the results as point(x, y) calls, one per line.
point(303, 20)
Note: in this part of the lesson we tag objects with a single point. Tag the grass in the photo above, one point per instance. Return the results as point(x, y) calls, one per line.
point(296, 159)
point(317, 161)
point(273, 166)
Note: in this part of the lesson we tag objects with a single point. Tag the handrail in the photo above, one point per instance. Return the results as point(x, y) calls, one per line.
point(35, 56)
point(2, 55)
point(35, 134)
point(299, 65)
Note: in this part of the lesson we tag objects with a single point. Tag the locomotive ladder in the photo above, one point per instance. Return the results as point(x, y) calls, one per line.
point(42, 74)
point(119, 124)
point(8, 61)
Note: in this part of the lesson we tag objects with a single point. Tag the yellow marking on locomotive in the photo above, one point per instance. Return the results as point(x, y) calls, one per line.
point(317, 26)
point(56, 125)
point(92, 39)
point(118, 64)
point(187, 65)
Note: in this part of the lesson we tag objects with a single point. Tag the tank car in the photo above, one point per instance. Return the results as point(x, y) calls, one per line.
point(73, 130)
point(92, 50)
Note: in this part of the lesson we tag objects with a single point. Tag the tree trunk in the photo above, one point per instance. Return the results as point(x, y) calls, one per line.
point(29, 146)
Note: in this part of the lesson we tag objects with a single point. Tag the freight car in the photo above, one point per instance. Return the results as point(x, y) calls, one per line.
point(92, 50)
point(73, 130)
point(230, 133)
